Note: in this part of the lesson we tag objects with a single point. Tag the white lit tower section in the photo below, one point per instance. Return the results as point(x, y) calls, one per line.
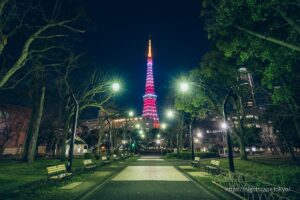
point(149, 108)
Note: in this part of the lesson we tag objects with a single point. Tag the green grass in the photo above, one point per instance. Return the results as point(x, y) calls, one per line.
point(275, 170)
point(14, 173)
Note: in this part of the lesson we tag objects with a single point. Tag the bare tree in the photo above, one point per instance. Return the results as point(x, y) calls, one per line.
point(47, 28)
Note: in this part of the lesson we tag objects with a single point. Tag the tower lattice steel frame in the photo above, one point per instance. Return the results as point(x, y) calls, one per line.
point(149, 109)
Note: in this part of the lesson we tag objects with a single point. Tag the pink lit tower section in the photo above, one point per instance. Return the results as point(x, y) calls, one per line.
point(149, 109)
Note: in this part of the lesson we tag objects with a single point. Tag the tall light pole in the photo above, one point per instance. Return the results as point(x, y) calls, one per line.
point(170, 114)
point(115, 88)
point(185, 86)
point(129, 115)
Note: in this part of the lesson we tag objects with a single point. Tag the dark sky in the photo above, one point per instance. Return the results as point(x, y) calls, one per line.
point(118, 40)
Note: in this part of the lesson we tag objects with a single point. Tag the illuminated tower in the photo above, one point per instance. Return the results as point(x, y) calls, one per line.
point(149, 109)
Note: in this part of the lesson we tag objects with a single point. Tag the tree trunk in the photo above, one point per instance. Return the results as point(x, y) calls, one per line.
point(34, 125)
point(63, 142)
point(242, 148)
point(296, 124)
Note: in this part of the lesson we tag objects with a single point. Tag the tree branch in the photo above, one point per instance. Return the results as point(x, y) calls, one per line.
point(270, 39)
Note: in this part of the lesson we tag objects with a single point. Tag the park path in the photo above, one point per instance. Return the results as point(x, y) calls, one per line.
point(149, 178)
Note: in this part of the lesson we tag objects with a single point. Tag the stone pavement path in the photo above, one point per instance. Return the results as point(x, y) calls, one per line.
point(149, 178)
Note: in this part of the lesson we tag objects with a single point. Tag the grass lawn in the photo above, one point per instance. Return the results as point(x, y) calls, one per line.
point(275, 170)
point(86, 182)
point(14, 173)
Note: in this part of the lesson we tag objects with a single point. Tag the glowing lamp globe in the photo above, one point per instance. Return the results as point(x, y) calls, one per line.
point(116, 87)
point(184, 87)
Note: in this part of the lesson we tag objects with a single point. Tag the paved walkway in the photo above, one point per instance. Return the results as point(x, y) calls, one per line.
point(150, 178)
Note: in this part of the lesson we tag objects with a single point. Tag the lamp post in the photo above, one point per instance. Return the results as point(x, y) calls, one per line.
point(71, 149)
point(130, 114)
point(185, 86)
point(115, 88)
point(170, 115)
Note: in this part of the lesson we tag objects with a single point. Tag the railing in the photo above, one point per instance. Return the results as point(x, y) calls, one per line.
point(247, 187)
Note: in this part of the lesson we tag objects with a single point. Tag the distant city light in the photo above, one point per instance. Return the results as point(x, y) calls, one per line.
point(199, 134)
point(163, 125)
point(137, 126)
point(224, 125)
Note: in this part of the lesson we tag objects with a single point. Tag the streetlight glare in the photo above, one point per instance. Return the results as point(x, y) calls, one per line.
point(137, 126)
point(141, 132)
point(224, 125)
point(199, 134)
point(130, 113)
point(158, 136)
point(116, 87)
point(163, 126)
point(170, 113)
point(184, 87)
point(143, 136)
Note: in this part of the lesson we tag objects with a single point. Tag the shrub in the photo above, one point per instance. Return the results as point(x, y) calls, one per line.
point(97, 156)
point(208, 155)
point(188, 155)
point(87, 155)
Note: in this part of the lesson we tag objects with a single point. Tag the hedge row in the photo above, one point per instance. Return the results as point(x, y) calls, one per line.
point(188, 155)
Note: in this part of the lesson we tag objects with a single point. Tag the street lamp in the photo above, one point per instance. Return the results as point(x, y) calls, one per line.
point(170, 115)
point(224, 125)
point(130, 113)
point(163, 126)
point(115, 88)
point(184, 87)
point(137, 126)
point(199, 134)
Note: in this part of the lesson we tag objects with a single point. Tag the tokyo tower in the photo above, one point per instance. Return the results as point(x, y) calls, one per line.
point(149, 109)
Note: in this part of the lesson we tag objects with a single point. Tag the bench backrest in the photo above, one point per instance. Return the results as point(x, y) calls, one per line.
point(87, 162)
point(197, 159)
point(215, 162)
point(104, 158)
point(56, 169)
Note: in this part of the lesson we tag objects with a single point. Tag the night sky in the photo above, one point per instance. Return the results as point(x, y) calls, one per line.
point(117, 39)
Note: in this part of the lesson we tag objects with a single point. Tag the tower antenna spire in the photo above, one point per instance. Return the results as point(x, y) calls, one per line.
point(149, 47)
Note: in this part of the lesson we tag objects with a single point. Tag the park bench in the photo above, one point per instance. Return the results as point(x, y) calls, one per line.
point(122, 156)
point(115, 157)
point(213, 167)
point(88, 164)
point(58, 173)
point(105, 160)
point(196, 161)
